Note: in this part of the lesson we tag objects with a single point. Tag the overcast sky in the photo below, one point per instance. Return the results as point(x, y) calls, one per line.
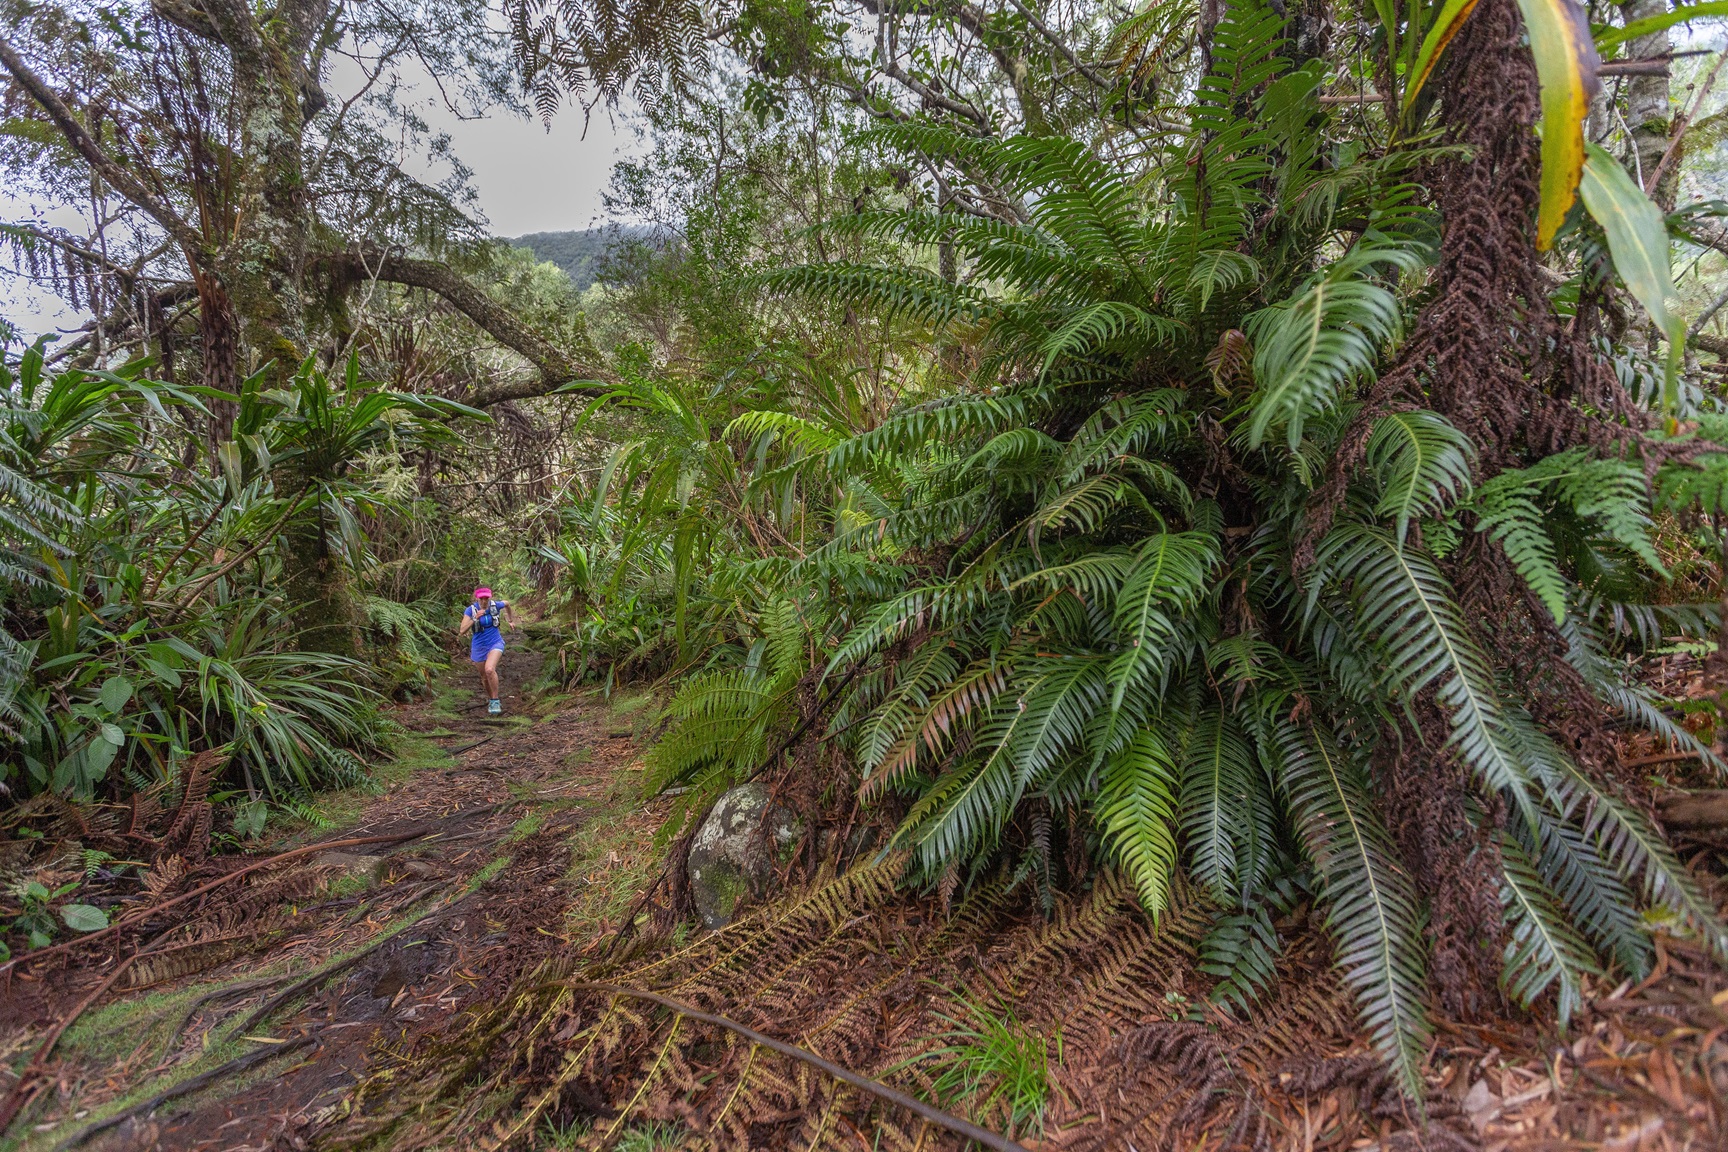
point(528, 180)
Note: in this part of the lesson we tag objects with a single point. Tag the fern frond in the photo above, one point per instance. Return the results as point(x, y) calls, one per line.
point(1136, 807)
point(1422, 463)
point(1544, 948)
point(1373, 913)
point(1226, 819)
point(1241, 950)
point(1169, 574)
point(1593, 893)
point(1308, 348)
point(1627, 838)
point(1406, 605)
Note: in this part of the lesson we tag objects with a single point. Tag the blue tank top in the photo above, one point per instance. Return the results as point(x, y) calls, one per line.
point(487, 637)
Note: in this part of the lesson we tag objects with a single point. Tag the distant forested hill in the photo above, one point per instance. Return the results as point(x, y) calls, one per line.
point(578, 253)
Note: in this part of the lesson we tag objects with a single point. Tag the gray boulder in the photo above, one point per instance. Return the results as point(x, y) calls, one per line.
point(733, 857)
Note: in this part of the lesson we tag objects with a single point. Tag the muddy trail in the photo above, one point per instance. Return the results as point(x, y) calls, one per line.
point(440, 965)
point(239, 1019)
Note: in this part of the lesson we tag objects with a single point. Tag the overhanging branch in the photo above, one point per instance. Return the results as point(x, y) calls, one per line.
point(111, 170)
point(555, 367)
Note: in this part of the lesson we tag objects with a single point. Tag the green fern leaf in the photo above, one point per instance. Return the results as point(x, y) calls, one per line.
point(1241, 950)
point(1308, 348)
point(1544, 949)
point(1136, 807)
point(1422, 462)
point(1226, 820)
point(1374, 915)
point(1168, 576)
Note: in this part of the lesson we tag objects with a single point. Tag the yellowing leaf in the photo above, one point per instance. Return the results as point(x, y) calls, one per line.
point(1638, 242)
point(1660, 21)
point(1566, 64)
point(1440, 33)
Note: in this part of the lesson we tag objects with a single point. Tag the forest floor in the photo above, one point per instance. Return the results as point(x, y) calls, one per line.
point(537, 841)
point(445, 990)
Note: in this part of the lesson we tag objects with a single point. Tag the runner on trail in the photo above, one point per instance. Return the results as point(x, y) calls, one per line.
point(483, 618)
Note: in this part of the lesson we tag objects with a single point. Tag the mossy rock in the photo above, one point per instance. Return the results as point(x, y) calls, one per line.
point(733, 857)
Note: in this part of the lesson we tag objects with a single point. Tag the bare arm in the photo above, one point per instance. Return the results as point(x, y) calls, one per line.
point(467, 623)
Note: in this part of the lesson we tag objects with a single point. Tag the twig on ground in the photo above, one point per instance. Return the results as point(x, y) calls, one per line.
point(146, 913)
point(1660, 758)
point(202, 1080)
point(917, 1107)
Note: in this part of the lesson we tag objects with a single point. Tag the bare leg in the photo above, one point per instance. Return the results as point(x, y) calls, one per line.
point(490, 673)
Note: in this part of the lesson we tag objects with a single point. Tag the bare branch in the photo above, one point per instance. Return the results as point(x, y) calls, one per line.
point(556, 367)
point(111, 170)
point(1061, 46)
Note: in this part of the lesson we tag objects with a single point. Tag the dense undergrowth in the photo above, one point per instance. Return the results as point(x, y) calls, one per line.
point(1247, 463)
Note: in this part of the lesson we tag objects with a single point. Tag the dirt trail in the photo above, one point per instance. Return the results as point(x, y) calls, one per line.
point(382, 948)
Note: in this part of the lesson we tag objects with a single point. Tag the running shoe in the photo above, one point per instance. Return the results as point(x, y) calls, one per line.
point(494, 708)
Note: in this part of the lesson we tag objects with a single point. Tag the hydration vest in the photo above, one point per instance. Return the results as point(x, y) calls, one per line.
point(487, 619)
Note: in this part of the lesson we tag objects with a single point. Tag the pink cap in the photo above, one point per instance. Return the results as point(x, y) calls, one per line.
point(482, 593)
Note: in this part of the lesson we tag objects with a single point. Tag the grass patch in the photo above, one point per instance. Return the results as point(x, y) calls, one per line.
point(486, 874)
point(524, 828)
point(450, 701)
point(996, 1066)
point(413, 754)
point(612, 860)
point(579, 757)
point(624, 706)
point(556, 1137)
point(219, 1052)
point(652, 1137)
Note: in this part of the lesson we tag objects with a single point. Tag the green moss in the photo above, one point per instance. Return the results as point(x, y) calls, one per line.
point(414, 754)
point(730, 887)
point(348, 884)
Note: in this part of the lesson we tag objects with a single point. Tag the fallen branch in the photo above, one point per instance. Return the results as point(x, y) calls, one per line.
point(1695, 811)
point(202, 1080)
point(875, 1087)
point(1661, 758)
point(146, 913)
point(23, 1090)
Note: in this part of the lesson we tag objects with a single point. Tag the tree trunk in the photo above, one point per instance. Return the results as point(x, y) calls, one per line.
point(317, 582)
point(264, 264)
point(1647, 111)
